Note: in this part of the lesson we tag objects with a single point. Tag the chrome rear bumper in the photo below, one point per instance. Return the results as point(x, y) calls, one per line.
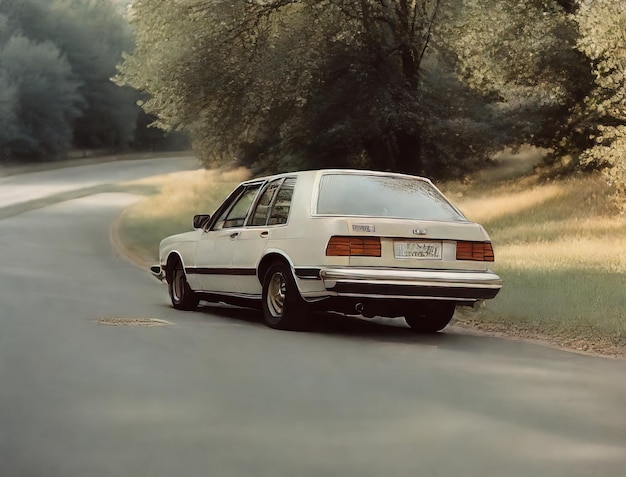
point(415, 284)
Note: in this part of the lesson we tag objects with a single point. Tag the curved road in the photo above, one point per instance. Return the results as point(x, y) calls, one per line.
point(215, 393)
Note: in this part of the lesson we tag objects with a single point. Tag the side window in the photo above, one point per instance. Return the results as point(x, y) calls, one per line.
point(235, 216)
point(282, 203)
point(259, 218)
point(274, 203)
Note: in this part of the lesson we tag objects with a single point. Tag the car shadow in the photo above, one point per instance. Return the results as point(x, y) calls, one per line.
point(351, 327)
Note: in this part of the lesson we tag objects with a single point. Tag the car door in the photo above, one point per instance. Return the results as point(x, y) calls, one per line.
point(216, 245)
point(270, 212)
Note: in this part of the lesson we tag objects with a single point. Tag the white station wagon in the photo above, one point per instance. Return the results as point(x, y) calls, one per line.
point(351, 241)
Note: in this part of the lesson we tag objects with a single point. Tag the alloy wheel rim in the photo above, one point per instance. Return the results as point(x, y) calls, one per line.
point(276, 295)
point(178, 284)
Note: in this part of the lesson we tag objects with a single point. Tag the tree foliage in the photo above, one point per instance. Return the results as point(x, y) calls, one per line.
point(298, 83)
point(428, 86)
point(568, 62)
point(39, 98)
point(602, 117)
point(525, 57)
point(57, 58)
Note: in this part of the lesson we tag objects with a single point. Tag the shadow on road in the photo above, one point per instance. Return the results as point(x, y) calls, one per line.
point(352, 327)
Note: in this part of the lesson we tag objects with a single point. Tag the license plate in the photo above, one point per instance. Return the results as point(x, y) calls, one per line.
point(418, 249)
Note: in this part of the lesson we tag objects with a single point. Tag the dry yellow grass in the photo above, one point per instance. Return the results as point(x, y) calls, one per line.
point(601, 254)
point(188, 191)
point(180, 196)
point(484, 209)
point(555, 226)
point(561, 250)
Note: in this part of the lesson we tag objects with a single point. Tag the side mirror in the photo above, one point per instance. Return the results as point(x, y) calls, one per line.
point(200, 220)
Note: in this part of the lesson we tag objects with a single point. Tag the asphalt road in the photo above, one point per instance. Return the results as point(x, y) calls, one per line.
point(215, 393)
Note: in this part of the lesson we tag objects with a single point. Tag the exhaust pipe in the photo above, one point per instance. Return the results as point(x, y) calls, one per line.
point(478, 304)
point(359, 307)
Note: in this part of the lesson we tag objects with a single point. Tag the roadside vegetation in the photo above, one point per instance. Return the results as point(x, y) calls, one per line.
point(57, 99)
point(172, 202)
point(561, 249)
point(433, 87)
point(560, 246)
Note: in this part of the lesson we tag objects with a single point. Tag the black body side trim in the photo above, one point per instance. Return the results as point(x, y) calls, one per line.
point(220, 271)
point(308, 273)
point(410, 290)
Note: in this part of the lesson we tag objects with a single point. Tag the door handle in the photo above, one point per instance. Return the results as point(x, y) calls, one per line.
point(234, 235)
point(264, 234)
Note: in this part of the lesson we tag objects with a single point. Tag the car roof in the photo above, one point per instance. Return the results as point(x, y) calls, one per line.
point(318, 172)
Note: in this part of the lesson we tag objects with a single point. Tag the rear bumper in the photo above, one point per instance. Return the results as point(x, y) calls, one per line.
point(450, 285)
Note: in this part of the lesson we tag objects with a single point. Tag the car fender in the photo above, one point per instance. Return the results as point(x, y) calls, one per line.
point(269, 255)
point(306, 287)
point(166, 265)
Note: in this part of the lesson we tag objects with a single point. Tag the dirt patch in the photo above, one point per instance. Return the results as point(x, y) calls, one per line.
point(133, 322)
point(590, 345)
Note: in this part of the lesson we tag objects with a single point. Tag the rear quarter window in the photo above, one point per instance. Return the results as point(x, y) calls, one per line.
point(383, 196)
point(274, 204)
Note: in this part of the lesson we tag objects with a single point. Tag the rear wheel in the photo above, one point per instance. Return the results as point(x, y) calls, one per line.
point(430, 317)
point(283, 307)
point(181, 294)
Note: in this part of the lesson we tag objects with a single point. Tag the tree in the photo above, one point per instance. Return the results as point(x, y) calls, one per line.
point(569, 62)
point(39, 99)
point(428, 86)
point(602, 116)
point(299, 83)
point(92, 34)
point(80, 42)
point(520, 53)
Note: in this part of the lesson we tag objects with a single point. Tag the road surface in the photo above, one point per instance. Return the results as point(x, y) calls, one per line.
point(215, 393)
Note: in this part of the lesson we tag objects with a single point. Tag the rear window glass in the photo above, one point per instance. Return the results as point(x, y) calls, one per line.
point(378, 196)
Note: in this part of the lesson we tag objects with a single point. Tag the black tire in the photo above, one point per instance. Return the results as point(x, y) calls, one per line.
point(181, 294)
point(430, 317)
point(283, 307)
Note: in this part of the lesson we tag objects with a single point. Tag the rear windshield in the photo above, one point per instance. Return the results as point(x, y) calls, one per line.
point(380, 196)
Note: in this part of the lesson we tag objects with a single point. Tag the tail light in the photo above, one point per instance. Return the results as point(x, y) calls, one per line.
point(353, 247)
point(477, 251)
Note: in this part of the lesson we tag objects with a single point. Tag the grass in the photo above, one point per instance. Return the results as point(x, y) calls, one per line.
point(561, 251)
point(560, 246)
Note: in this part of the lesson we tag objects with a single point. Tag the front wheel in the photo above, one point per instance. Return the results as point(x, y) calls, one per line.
point(181, 294)
point(283, 307)
point(430, 317)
